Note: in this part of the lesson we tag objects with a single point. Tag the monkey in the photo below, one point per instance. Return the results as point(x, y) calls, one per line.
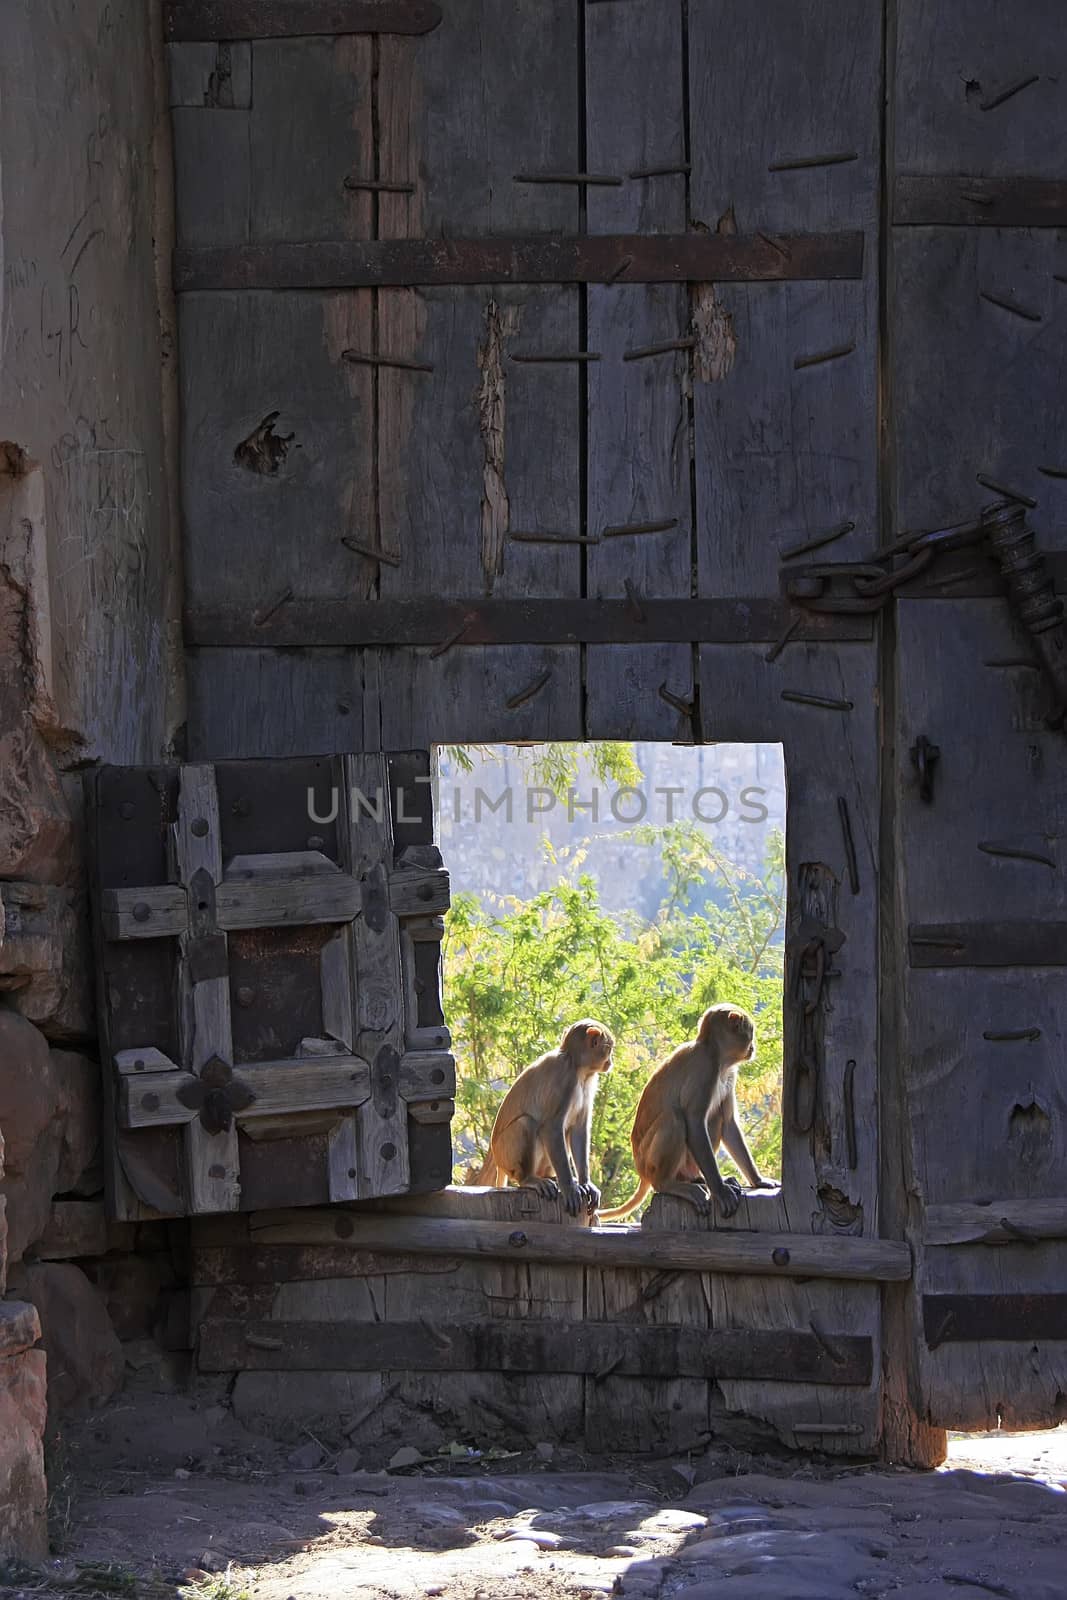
point(545, 1119)
point(687, 1109)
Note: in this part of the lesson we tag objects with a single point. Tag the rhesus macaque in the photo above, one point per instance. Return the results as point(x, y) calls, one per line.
point(687, 1109)
point(546, 1117)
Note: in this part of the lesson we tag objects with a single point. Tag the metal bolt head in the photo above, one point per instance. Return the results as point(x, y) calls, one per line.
point(245, 995)
point(518, 1238)
point(126, 810)
point(437, 1075)
point(314, 841)
point(199, 828)
point(141, 912)
point(780, 1257)
point(388, 1152)
point(150, 1102)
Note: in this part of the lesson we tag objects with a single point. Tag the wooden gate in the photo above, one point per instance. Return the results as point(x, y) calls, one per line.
point(269, 938)
point(578, 378)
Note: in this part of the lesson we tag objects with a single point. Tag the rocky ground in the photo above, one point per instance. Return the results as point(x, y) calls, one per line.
point(154, 1499)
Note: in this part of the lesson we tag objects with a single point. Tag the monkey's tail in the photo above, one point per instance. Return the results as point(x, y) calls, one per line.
point(632, 1204)
point(489, 1173)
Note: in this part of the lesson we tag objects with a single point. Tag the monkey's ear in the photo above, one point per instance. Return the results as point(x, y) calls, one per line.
point(736, 1020)
point(594, 1035)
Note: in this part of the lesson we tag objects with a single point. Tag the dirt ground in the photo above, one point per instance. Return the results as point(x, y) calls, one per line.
point(163, 1496)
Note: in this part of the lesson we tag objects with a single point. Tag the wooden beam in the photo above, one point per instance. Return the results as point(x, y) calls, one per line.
point(969, 1318)
point(371, 623)
point(988, 944)
point(204, 21)
point(995, 1222)
point(785, 1255)
point(587, 1348)
point(318, 1083)
point(961, 200)
point(600, 258)
point(160, 911)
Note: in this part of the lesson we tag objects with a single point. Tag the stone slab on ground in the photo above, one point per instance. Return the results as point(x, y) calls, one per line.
point(215, 1498)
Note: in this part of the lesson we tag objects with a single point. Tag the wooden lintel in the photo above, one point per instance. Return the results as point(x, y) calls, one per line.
point(585, 1348)
point(995, 1222)
point(960, 200)
point(970, 1318)
point(783, 1255)
point(203, 21)
point(988, 944)
point(372, 623)
point(541, 258)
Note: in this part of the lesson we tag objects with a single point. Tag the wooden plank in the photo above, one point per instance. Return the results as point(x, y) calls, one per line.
point(284, 19)
point(271, 900)
point(662, 1412)
point(970, 1318)
point(967, 200)
point(985, 303)
point(638, 438)
point(315, 623)
point(419, 891)
point(270, 1264)
point(342, 1145)
point(603, 258)
point(830, 755)
point(622, 692)
point(427, 1075)
point(771, 150)
point(987, 944)
point(383, 1165)
point(215, 75)
point(529, 1346)
point(815, 1256)
point(316, 700)
point(211, 1159)
point(1010, 1221)
point(323, 1083)
point(148, 1059)
point(976, 88)
point(479, 695)
point(250, 459)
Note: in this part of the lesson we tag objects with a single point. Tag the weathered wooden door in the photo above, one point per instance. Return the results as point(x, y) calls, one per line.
point(269, 943)
point(536, 363)
point(978, 341)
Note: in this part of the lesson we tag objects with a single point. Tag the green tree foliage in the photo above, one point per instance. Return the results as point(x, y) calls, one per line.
point(517, 972)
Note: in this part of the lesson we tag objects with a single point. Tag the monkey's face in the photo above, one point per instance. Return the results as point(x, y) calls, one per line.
point(595, 1045)
point(734, 1029)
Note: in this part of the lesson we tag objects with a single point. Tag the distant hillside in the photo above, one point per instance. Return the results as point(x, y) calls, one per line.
point(493, 821)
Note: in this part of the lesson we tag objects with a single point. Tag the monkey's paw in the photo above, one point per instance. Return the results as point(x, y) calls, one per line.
point(591, 1196)
point(729, 1197)
point(699, 1199)
point(574, 1198)
point(547, 1188)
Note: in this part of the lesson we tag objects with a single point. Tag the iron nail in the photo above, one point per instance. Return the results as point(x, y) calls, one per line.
point(837, 158)
point(831, 1350)
point(624, 264)
point(800, 362)
point(266, 612)
point(361, 358)
point(553, 538)
point(775, 244)
point(565, 355)
point(817, 541)
point(823, 700)
point(779, 645)
point(533, 687)
point(675, 700)
point(1053, 472)
point(994, 847)
point(582, 179)
point(619, 530)
point(668, 345)
point(370, 551)
point(1009, 494)
point(1017, 1231)
point(453, 638)
point(850, 844)
point(379, 185)
point(850, 1114)
point(1012, 1035)
point(1009, 305)
point(637, 610)
point(681, 168)
point(998, 99)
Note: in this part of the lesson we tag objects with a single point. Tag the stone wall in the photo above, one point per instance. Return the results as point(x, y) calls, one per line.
point(90, 664)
